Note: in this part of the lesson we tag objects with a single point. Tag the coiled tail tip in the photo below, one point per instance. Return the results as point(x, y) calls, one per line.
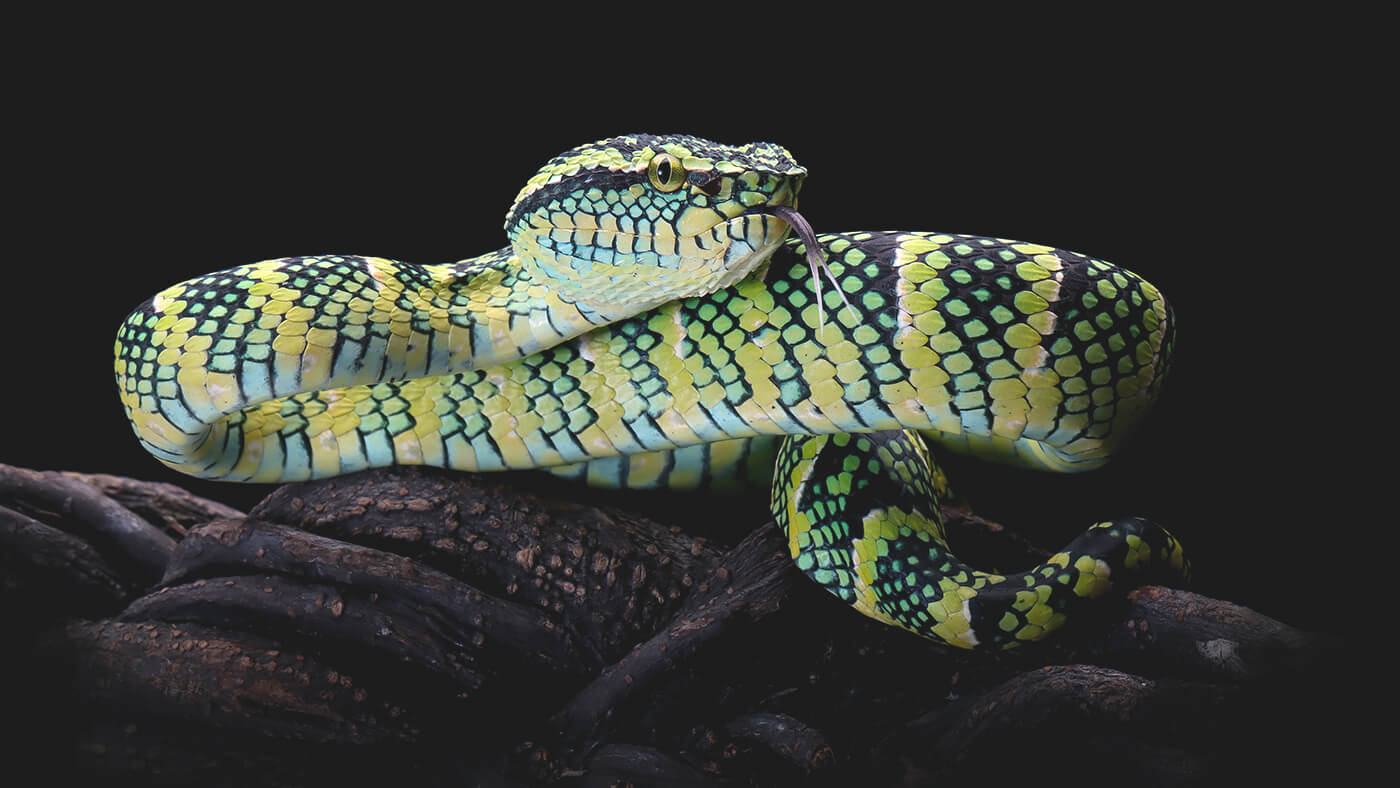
point(862, 518)
point(1117, 555)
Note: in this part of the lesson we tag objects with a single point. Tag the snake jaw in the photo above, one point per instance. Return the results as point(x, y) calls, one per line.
point(710, 252)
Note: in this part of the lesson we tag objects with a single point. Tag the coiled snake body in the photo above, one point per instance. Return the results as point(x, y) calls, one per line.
point(649, 325)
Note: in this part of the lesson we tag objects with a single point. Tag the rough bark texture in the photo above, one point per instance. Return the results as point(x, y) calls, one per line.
point(136, 544)
point(615, 577)
point(166, 506)
point(436, 628)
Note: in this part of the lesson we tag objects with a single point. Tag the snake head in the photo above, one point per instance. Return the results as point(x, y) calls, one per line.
point(625, 224)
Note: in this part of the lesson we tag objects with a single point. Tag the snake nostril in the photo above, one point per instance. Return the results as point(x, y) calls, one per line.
point(710, 185)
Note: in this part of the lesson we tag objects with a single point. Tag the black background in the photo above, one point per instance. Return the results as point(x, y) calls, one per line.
point(147, 159)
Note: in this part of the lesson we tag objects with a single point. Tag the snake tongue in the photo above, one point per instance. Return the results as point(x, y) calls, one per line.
point(815, 260)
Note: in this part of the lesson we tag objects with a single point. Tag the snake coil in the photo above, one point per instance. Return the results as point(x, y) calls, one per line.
point(650, 325)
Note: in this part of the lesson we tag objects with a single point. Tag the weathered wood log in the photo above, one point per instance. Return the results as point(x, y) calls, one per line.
point(749, 581)
point(115, 531)
point(341, 622)
point(660, 652)
point(615, 577)
point(166, 506)
point(46, 574)
point(1200, 637)
point(630, 764)
point(799, 747)
point(1042, 722)
point(451, 614)
point(205, 676)
point(154, 702)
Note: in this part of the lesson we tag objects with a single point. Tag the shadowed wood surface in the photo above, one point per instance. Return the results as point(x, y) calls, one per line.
point(451, 628)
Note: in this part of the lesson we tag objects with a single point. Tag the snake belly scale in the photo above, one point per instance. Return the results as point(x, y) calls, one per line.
point(651, 325)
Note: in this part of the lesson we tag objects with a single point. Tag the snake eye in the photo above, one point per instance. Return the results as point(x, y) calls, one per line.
point(666, 173)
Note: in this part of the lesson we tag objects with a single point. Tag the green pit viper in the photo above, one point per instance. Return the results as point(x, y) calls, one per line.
point(652, 325)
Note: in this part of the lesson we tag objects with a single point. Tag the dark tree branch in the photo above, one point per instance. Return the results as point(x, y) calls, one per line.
point(208, 677)
point(750, 581)
point(113, 529)
point(459, 616)
point(170, 508)
point(615, 577)
point(492, 635)
point(49, 573)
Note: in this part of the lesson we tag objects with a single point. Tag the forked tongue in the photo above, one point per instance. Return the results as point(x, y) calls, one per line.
point(815, 261)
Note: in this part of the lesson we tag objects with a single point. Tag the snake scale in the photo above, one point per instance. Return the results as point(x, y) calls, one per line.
point(651, 324)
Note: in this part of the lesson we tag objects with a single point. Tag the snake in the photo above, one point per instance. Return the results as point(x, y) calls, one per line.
point(658, 320)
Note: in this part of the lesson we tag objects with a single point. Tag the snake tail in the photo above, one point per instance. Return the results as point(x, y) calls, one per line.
point(861, 514)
